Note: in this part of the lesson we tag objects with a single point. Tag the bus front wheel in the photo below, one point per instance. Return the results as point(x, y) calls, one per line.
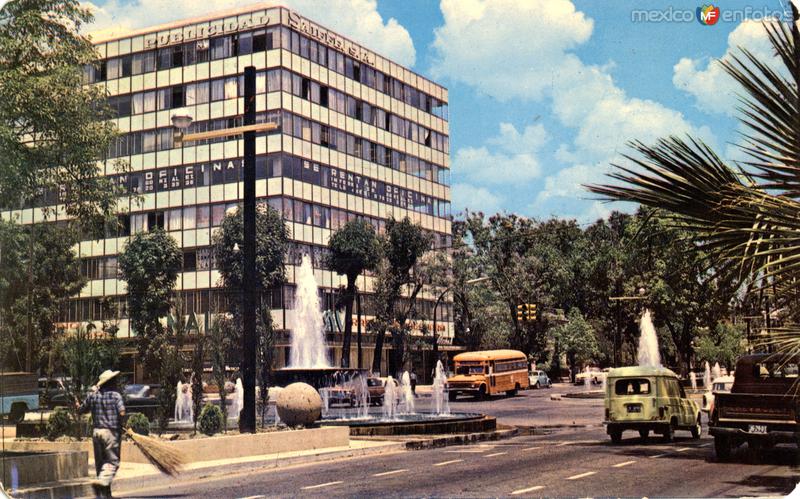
point(482, 393)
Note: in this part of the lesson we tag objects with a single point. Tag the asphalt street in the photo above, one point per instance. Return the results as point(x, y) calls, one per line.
point(573, 462)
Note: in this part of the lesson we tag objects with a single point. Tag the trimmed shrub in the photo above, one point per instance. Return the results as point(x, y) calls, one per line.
point(59, 424)
point(139, 423)
point(211, 419)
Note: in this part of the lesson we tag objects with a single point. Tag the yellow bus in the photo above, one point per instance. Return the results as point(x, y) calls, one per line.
point(489, 372)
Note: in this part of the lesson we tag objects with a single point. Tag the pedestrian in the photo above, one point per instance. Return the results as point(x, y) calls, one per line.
point(107, 409)
point(414, 382)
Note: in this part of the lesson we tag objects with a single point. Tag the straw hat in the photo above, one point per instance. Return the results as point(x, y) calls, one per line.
point(105, 376)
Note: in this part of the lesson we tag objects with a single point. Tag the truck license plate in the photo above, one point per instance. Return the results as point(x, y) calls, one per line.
point(757, 428)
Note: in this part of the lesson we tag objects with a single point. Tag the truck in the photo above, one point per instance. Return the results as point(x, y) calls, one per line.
point(19, 393)
point(761, 408)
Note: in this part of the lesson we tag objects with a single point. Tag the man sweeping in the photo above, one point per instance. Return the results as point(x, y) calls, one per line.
point(108, 409)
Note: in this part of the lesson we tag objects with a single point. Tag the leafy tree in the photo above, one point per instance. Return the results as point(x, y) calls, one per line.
point(577, 340)
point(724, 344)
point(404, 244)
point(53, 130)
point(354, 248)
point(39, 271)
point(150, 263)
point(220, 338)
point(272, 242)
point(743, 216)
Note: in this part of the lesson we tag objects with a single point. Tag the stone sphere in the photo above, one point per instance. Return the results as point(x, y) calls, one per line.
point(299, 404)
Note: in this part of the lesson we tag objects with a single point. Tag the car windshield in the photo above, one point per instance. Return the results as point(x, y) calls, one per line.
point(632, 387)
point(136, 390)
point(467, 370)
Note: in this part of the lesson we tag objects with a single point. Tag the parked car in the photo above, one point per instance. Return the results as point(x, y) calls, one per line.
point(20, 395)
point(648, 399)
point(595, 375)
point(762, 407)
point(375, 390)
point(723, 384)
point(539, 379)
point(53, 392)
point(141, 398)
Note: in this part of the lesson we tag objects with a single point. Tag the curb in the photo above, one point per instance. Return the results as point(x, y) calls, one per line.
point(547, 428)
point(421, 443)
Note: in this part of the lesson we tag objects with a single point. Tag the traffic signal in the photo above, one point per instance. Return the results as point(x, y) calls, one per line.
point(531, 311)
point(526, 312)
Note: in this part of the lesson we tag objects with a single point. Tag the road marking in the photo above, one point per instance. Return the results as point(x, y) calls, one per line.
point(704, 445)
point(525, 491)
point(466, 451)
point(445, 463)
point(393, 472)
point(253, 497)
point(531, 448)
point(582, 475)
point(496, 454)
point(683, 449)
point(659, 455)
point(562, 444)
point(310, 487)
point(626, 463)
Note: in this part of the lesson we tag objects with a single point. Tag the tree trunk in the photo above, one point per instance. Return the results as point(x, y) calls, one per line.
point(377, 358)
point(350, 294)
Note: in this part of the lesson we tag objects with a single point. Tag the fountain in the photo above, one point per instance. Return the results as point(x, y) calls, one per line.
point(184, 409)
point(238, 400)
point(587, 381)
point(308, 333)
point(693, 380)
point(707, 377)
point(346, 391)
point(407, 395)
point(647, 354)
point(389, 400)
point(716, 372)
point(441, 401)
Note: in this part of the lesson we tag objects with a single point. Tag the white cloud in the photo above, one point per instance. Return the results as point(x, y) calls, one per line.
point(474, 198)
point(356, 19)
point(507, 48)
point(522, 49)
point(705, 79)
point(511, 161)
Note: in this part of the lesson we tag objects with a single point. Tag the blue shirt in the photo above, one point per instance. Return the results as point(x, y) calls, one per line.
point(105, 406)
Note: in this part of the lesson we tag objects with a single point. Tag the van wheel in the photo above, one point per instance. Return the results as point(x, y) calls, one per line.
point(643, 434)
point(697, 429)
point(722, 447)
point(669, 432)
point(616, 436)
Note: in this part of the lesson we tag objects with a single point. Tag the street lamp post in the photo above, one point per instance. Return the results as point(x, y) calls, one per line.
point(436, 306)
point(618, 299)
point(247, 416)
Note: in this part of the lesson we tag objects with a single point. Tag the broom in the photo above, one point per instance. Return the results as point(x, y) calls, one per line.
point(163, 456)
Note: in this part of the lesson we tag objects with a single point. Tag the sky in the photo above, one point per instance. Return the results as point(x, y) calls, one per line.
point(544, 95)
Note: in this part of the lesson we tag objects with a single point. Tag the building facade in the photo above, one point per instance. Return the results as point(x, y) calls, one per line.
point(359, 136)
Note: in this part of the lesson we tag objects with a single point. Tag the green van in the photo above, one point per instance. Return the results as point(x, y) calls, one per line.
point(648, 399)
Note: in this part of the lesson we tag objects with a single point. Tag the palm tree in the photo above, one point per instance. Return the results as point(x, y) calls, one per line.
point(743, 215)
point(354, 248)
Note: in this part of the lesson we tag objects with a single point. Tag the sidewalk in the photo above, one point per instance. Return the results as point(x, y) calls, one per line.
point(135, 476)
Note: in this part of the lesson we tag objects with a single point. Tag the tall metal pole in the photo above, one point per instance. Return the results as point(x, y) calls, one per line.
point(247, 417)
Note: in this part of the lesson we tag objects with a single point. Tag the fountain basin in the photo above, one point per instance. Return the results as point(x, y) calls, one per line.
point(416, 424)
